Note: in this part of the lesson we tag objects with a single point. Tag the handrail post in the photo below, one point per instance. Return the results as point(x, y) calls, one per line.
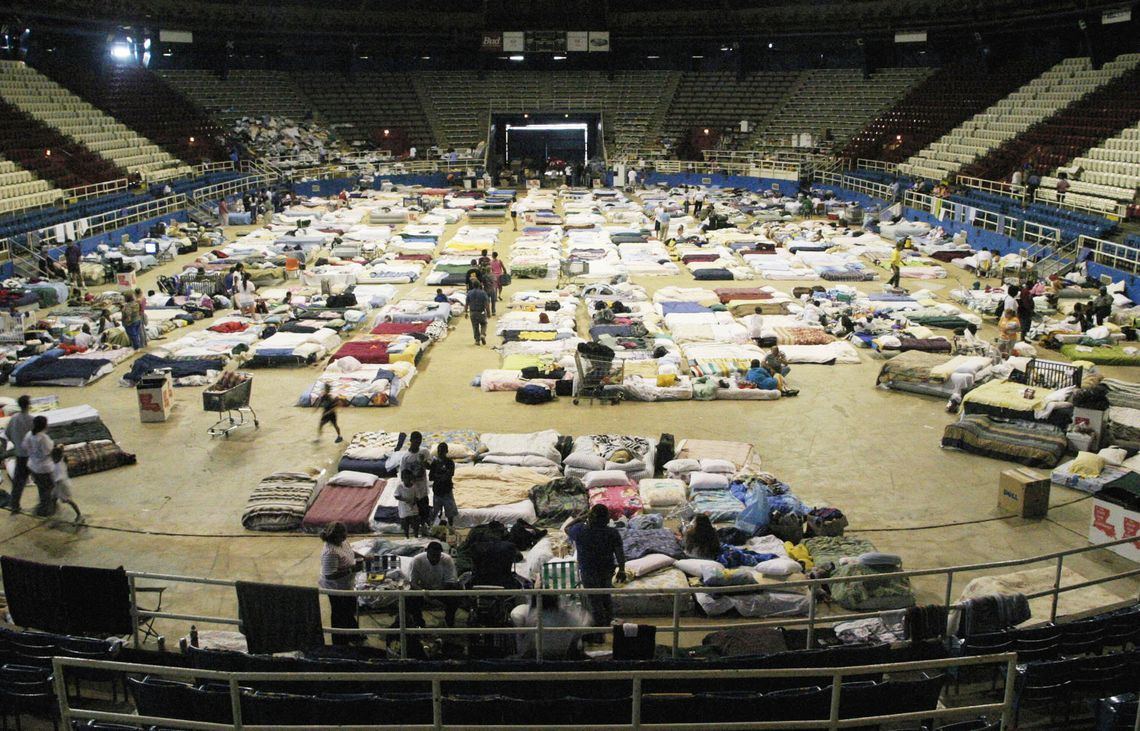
point(436, 704)
point(538, 634)
point(949, 588)
point(59, 685)
point(1007, 696)
point(811, 618)
point(401, 607)
point(1056, 589)
point(235, 702)
point(676, 624)
point(134, 613)
point(635, 715)
point(836, 688)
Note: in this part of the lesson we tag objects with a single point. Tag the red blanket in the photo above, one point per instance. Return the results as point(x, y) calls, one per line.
point(399, 328)
point(350, 505)
point(365, 351)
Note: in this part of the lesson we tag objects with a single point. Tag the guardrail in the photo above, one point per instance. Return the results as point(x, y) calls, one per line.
point(230, 187)
point(1048, 196)
point(397, 599)
point(999, 187)
point(212, 167)
point(637, 678)
point(759, 169)
point(108, 220)
point(1034, 234)
point(1111, 254)
point(879, 165)
point(83, 192)
point(859, 185)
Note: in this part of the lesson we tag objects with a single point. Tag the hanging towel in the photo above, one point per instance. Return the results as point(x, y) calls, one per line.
point(992, 613)
point(60, 233)
point(278, 618)
point(34, 594)
point(925, 623)
point(97, 601)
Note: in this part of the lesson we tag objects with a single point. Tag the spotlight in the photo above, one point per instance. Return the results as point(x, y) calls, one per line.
point(191, 139)
point(526, 116)
point(425, 58)
point(706, 130)
point(120, 52)
point(771, 45)
point(386, 132)
point(695, 55)
point(898, 138)
point(559, 58)
point(516, 58)
point(47, 153)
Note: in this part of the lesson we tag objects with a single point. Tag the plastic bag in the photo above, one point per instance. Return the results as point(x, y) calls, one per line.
point(753, 520)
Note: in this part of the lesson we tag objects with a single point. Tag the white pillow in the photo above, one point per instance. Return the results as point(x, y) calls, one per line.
point(662, 493)
point(634, 465)
point(707, 481)
point(778, 567)
point(648, 564)
point(1113, 455)
point(605, 478)
point(722, 466)
point(584, 461)
point(346, 364)
point(348, 478)
point(695, 566)
point(681, 466)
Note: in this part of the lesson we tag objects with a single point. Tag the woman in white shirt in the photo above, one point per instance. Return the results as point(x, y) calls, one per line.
point(244, 291)
point(338, 571)
point(38, 445)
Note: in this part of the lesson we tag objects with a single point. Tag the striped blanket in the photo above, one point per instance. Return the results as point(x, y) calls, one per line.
point(1033, 444)
point(279, 502)
point(99, 455)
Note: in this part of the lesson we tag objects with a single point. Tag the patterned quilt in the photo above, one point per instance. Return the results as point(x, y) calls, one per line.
point(1029, 443)
point(558, 500)
point(279, 502)
point(96, 456)
point(621, 501)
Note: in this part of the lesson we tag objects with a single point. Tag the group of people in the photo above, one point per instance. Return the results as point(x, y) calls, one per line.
point(41, 459)
point(484, 282)
point(418, 470)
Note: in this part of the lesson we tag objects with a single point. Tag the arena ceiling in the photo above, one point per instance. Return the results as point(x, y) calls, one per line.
point(633, 19)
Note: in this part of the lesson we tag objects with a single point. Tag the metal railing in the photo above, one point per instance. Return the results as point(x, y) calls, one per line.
point(1073, 201)
point(879, 165)
point(1111, 254)
point(83, 192)
point(212, 167)
point(1038, 236)
point(230, 187)
point(397, 599)
point(1016, 192)
point(759, 169)
point(637, 679)
point(118, 218)
point(859, 185)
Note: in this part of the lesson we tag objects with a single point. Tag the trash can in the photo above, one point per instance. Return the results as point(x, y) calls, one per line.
point(156, 396)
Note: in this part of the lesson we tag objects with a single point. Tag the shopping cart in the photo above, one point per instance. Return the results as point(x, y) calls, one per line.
point(229, 396)
point(598, 378)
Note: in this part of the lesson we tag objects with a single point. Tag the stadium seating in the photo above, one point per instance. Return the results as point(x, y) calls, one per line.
point(1058, 87)
point(355, 106)
point(48, 102)
point(460, 101)
point(26, 141)
point(243, 93)
point(1072, 130)
point(139, 99)
point(19, 189)
point(948, 97)
point(718, 99)
point(841, 101)
point(1071, 223)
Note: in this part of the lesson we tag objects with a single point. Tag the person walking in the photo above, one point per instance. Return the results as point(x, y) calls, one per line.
point(19, 426)
point(327, 405)
point(497, 272)
point(477, 304)
point(599, 550)
point(441, 474)
point(1025, 309)
point(72, 255)
point(896, 266)
point(38, 446)
point(61, 490)
point(339, 564)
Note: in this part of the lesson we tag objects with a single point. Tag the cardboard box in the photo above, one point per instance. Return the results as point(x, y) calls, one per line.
point(1024, 492)
point(1110, 522)
point(126, 279)
point(156, 396)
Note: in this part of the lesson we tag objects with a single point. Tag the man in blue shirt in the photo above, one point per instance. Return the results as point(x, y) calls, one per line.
point(599, 551)
point(477, 304)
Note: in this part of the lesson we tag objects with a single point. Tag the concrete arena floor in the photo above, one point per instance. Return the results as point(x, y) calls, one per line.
point(842, 442)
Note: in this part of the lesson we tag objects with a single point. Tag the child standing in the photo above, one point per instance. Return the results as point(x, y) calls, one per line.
point(441, 472)
point(61, 491)
point(409, 508)
point(327, 405)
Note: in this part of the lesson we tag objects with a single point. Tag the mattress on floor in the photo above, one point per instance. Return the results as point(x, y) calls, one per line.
point(1029, 443)
point(279, 501)
point(350, 505)
point(653, 605)
point(1110, 476)
point(1104, 354)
